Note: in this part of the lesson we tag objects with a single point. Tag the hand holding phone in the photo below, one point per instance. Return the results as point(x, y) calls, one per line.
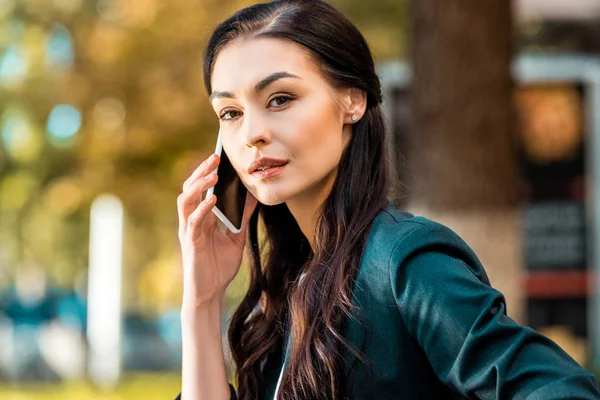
point(230, 192)
point(211, 258)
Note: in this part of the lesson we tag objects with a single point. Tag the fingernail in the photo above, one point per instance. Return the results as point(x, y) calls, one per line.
point(211, 158)
point(208, 199)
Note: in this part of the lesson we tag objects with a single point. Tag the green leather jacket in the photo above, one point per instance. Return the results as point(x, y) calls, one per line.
point(432, 327)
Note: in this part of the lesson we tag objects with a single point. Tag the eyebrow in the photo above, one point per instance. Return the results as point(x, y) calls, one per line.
point(258, 87)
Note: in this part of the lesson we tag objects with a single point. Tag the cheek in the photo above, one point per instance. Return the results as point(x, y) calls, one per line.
point(323, 137)
point(316, 126)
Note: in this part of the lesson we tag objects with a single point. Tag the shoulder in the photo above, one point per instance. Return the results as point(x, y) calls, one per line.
point(399, 238)
point(432, 275)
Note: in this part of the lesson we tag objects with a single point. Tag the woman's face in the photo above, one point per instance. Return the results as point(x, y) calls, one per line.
point(273, 102)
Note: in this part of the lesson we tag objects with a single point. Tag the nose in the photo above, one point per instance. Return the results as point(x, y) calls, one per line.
point(257, 132)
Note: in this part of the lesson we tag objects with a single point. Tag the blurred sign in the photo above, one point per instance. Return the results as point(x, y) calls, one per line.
point(555, 235)
point(552, 154)
point(557, 104)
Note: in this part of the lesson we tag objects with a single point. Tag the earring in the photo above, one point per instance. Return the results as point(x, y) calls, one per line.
point(354, 118)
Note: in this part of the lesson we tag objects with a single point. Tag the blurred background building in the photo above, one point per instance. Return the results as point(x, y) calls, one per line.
point(103, 115)
point(500, 131)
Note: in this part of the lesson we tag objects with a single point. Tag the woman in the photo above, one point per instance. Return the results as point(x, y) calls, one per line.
point(349, 297)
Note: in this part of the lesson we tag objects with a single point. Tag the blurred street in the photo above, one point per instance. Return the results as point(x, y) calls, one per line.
point(103, 115)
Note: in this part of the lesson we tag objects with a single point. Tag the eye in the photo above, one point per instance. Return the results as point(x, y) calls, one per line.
point(279, 101)
point(227, 115)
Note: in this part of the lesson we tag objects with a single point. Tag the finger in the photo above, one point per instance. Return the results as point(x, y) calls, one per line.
point(188, 201)
point(196, 221)
point(249, 208)
point(191, 197)
point(203, 169)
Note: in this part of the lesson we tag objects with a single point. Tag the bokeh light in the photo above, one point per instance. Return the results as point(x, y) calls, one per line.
point(13, 66)
point(63, 123)
point(106, 43)
point(59, 51)
point(551, 121)
point(63, 196)
point(109, 113)
point(16, 189)
point(21, 138)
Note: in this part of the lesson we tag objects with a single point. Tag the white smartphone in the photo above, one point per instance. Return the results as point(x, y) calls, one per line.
point(230, 191)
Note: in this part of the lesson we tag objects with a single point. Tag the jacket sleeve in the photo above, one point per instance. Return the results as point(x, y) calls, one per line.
point(460, 321)
point(232, 396)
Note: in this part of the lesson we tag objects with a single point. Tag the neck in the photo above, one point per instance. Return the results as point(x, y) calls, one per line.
point(305, 207)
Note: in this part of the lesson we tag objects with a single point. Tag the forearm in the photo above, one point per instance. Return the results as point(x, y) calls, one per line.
point(203, 365)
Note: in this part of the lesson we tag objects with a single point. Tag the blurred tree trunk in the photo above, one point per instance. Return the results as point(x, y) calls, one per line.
point(462, 156)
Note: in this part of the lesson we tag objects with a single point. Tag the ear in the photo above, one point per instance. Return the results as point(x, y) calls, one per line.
point(355, 104)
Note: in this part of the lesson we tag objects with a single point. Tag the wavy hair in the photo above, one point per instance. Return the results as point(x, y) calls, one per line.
point(316, 311)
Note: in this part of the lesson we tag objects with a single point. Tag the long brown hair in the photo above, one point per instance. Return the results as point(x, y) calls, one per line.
point(316, 311)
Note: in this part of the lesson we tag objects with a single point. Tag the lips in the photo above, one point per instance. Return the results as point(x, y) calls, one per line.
point(266, 167)
point(268, 173)
point(265, 163)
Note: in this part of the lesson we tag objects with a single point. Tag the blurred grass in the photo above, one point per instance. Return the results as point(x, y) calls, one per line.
point(137, 386)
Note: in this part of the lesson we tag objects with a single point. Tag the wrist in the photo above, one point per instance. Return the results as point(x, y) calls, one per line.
point(201, 323)
point(193, 308)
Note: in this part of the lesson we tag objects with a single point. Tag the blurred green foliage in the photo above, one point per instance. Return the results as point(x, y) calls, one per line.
point(131, 70)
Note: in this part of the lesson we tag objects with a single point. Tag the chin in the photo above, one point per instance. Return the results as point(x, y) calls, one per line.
point(269, 200)
point(269, 197)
